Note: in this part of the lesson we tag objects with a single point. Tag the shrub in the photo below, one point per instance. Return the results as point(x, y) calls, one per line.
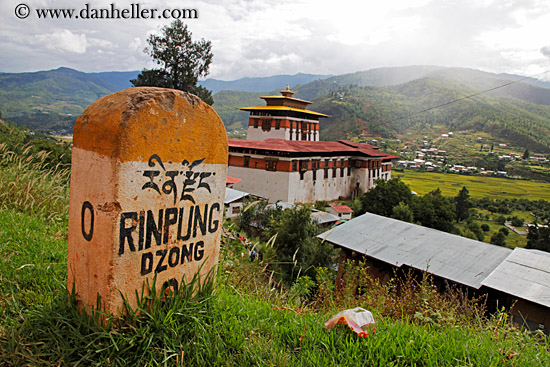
point(500, 219)
point(498, 239)
point(517, 222)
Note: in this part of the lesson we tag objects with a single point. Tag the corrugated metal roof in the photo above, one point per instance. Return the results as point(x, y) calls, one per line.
point(452, 257)
point(524, 274)
point(322, 217)
point(232, 195)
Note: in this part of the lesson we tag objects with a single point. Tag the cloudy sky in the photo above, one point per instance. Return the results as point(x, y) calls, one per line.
point(269, 37)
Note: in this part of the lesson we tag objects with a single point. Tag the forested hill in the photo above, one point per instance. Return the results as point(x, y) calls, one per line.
point(51, 100)
point(384, 101)
point(260, 84)
point(391, 101)
point(475, 79)
point(413, 106)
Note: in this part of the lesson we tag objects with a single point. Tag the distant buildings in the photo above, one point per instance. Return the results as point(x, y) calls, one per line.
point(342, 211)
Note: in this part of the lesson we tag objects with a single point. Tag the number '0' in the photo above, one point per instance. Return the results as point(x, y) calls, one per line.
point(87, 206)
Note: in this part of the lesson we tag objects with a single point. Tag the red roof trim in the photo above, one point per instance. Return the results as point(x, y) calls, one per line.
point(342, 209)
point(310, 147)
point(232, 180)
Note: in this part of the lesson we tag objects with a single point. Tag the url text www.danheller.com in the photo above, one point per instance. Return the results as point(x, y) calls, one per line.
point(133, 11)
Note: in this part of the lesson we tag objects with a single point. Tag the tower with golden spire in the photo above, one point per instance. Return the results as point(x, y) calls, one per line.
point(283, 117)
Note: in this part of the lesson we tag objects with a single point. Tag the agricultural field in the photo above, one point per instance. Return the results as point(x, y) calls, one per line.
point(478, 186)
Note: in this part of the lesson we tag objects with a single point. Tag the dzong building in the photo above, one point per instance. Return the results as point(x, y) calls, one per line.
point(283, 159)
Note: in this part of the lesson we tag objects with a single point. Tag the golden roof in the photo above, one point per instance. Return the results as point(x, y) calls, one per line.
point(282, 108)
point(287, 92)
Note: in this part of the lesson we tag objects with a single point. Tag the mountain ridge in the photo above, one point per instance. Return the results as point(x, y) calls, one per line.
point(385, 100)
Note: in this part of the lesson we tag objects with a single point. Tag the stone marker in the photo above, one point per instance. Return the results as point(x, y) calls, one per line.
point(147, 186)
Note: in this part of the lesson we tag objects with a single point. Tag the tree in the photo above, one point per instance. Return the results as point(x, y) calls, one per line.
point(384, 196)
point(517, 222)
point(498, 239)
point(526, 154)
point(476, 230)
point(538, 238)
point(297, 249)
point(402, 212)
point(500, 219)
point(181, 61)
point(435, 211)
point(462, 204)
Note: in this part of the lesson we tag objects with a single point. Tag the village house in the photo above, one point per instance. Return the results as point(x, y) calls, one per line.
point(283, 159)
point(342, 211)
point(233, 202)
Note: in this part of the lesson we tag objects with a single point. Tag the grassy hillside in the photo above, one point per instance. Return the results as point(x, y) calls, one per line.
point(225, 105)
point(23, 142)
point(49, 100)
point(248, 319)
point(387, 111)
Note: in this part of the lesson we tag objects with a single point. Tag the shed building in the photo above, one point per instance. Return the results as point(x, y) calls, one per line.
point(518, 278)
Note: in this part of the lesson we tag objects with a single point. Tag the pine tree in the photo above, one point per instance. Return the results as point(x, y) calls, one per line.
point(462, 202)
point(182, 62)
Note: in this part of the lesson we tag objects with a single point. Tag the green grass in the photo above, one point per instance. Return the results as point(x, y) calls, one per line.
point(40, 325)
point(478, 186)
point(246, 320)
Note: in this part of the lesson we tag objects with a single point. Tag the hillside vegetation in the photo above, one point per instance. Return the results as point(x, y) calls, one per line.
point(251, 317)
point(259, 84)
point(388, 111)
point(50, 100)
point(391, 101)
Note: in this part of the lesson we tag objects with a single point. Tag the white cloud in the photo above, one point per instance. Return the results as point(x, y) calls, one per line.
point(97, 42)
point(63, 40)
point(267, 37)
point(135, 44)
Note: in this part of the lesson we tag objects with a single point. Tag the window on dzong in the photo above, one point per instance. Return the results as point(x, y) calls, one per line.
point(271, 165)
point(266, 124)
